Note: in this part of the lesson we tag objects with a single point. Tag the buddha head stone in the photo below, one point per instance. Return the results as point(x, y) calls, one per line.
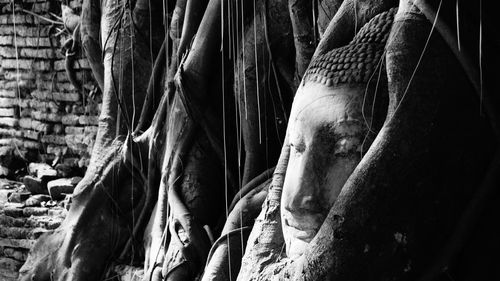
point(328, 128)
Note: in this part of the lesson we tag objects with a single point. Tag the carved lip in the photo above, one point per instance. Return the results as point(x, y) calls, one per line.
point(303, 227)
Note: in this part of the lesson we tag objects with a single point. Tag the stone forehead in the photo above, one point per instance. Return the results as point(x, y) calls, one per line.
point(357, 61)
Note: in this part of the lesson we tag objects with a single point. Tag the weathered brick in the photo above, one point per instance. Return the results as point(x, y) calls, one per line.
point(10, 221)
point(54, 139)
point(19, 75)
point(88, 120)
point(45, 53)
point(7, 112)
point(29, 134)
point(25, 31)
point(7, 93)
point(13, 211)
point(40, 7)
point(17, 243)
point(35, 211)
point(57, 150)
point(10, 264)
point(8, 102)
point(26, 64)
point(46, 222)
point(65, 87)
point(8, 121)
point(43, 106)
point(15, 85)
point(31, 144)
point(43, 116)
point(17, 254)
point(14, 232)
point(57, 212)
point(28, 123)
point(89, 130)
point(9, 133)
point(70, 119)
point(47, 95)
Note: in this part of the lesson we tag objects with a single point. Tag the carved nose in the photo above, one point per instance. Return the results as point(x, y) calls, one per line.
point(300, 189)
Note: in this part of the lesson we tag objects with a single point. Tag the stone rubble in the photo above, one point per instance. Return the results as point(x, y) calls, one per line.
point(23, 218)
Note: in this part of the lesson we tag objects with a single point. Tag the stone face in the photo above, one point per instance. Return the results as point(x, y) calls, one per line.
point(58, 188)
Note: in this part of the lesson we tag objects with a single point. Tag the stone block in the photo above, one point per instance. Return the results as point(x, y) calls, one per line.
point(57, 212)
point(46, 222)
point(11, 133)
point(57, 150)
point(35, 185)
point(14, 232)
point(72, 130)
point(35, 211)
point(70, 119)
point(58, 96)
point(43, 116)
point(19, 197)
point(54, 139)
point(17, 243)
point(8, 93)
point(28, 123)
point(36, 200)
point(29, 134)
point(25, 113)
point(27, 64)
point(17, 254)
point(13, 211)
point(25, 31)
point(10, 264)
point(7, 112)
point(88, 120)
point(10, 221)
point(8, 121)
point(8, 102)
point(33, 167)
point(31, 144)
point(58, 188)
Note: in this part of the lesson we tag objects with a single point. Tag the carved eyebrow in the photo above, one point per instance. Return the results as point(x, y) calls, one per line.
point(335, 131)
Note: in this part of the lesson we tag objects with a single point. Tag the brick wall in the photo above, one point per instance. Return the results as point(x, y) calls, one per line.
point(42, 116)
